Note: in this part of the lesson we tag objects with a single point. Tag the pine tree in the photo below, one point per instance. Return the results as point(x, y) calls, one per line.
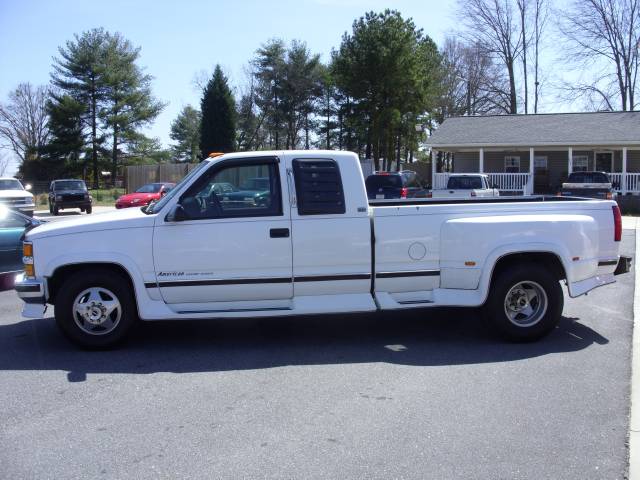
point(130, 103)
point(97, 70)
point(80, 73)
point(185, 131)
point(218, 127)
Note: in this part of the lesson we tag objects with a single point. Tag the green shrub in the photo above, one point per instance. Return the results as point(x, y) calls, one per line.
point(42, 199)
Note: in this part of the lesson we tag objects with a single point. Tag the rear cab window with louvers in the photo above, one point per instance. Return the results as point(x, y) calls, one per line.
point(318, 187)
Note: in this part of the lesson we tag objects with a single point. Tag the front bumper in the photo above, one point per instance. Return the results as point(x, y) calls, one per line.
point(26, 208)
point(130, 205)
point(34, 294)
point(73, 204)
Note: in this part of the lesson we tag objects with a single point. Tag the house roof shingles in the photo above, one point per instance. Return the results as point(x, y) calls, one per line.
point(602, 128)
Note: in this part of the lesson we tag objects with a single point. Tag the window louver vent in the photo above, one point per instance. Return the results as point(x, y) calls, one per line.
point(318, 187)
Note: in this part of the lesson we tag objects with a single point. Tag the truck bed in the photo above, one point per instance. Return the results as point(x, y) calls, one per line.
point(445, 201)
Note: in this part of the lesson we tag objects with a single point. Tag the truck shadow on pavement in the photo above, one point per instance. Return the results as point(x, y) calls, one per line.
point(435, 338)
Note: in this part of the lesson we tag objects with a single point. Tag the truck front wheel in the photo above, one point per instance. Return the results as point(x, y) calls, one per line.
point(96, 309)
point(525, 302)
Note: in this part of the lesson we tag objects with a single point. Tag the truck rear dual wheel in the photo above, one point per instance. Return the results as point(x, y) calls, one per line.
point(525, 302)
point(95, 309)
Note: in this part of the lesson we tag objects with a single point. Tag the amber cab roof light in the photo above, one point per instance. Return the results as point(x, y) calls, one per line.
point(215, 154)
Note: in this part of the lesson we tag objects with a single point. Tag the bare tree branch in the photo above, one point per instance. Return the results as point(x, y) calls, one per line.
point(23, 120)
point(605, 34)
point(492, 25)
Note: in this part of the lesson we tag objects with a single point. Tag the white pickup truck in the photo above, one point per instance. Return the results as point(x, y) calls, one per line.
point(305, 240)
point(466, 185)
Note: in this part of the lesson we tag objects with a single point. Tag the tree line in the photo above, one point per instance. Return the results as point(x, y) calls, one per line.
point(383, 89)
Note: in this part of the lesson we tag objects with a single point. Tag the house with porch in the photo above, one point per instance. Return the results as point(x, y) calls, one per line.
point(527, 154)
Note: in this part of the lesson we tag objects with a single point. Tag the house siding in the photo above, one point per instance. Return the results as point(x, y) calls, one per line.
point(466, 162)
point(633, 161)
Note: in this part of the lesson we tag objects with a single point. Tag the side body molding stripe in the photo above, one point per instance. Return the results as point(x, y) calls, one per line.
point(310, 278)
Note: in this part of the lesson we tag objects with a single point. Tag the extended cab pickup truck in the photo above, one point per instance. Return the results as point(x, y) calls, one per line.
point(466, 185)
point(315, 244)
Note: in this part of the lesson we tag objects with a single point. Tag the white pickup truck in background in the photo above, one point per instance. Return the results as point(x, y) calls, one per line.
point(308, 241)
point(466, 185)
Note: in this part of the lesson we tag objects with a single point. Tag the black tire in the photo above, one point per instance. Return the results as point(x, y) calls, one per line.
point(88, 210)
point(532, 285)
point(81, 210)
point(56, 210)
point(68, 320)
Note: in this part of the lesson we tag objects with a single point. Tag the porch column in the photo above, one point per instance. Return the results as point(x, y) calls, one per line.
point(623, 180)
point(481, 160)
point(570, 164)
point(531, 169)
point(434, 167)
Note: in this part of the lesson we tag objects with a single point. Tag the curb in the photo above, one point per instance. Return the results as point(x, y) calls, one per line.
point(634, 423)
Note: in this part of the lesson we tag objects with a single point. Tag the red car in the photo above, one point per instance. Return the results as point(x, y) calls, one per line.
point(144, 195)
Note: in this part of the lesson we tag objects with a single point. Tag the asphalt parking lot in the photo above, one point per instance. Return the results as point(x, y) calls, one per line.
point(426, 394)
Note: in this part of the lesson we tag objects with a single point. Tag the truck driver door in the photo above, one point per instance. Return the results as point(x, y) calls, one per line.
point(230, 247)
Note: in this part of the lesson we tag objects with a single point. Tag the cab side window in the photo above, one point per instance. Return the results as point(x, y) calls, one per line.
point(249, 189)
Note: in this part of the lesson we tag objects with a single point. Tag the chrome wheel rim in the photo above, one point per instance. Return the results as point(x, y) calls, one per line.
point(525, 304)
point(97, 311)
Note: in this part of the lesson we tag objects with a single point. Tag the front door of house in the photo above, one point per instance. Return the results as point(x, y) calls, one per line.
point(604, 162)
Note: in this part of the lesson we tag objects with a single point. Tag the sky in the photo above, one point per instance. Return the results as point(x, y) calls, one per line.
point(180, 39)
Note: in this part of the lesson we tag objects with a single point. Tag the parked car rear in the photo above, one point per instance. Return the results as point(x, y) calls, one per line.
point(383, 185)
point(467, 185)
point(588, 185)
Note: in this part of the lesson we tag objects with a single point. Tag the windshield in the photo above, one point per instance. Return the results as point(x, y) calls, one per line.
point(374, 182)
point(150, 188)
point(69, 185)
point(10, 184)
point(464, 183)
point(588, 177)
point(157, 206)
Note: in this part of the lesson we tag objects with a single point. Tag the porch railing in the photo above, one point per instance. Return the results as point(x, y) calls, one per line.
point(633, 182)
point(519, 182)
point(506, 182)
point(510, 182)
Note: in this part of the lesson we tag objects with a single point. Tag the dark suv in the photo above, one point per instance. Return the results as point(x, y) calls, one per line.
point(69, 194)
point(403, 184)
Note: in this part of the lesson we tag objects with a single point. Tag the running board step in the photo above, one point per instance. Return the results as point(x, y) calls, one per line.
point(234, 310)
point(415, 302)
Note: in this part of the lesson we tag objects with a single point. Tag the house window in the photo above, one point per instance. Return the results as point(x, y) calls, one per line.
point(511, 164)
point(580, 163)
point(540, 163)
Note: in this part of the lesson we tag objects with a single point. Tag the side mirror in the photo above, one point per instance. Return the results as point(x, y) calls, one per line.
point(177, 214)
point(32, 223)
point(495, 185)
point(27, 186)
